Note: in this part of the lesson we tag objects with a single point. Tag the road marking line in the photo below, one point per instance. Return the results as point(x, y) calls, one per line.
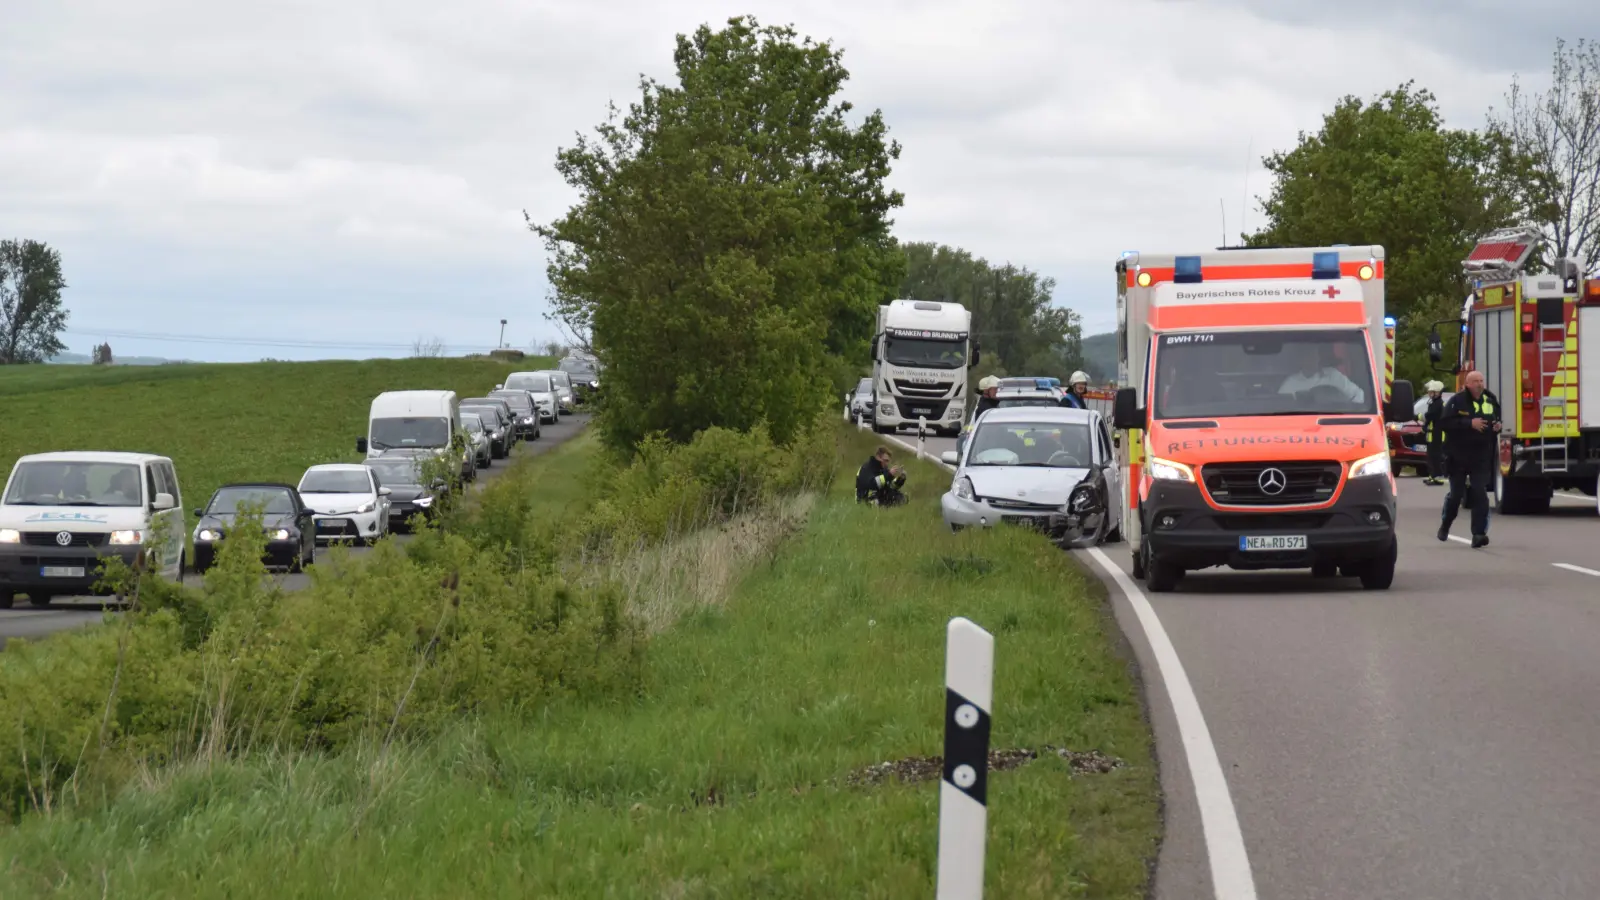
point(1231, 878)
point(1230, 864)
point(1572, 568)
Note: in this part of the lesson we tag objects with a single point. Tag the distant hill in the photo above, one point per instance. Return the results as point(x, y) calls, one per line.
point(1100, 356)
point(83, 359)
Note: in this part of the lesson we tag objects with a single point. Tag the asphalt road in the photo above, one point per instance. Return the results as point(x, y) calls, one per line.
point(72, 612)
point(1435, 741)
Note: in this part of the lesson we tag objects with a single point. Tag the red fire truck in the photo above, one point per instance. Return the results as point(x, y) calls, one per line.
point(1536, 339)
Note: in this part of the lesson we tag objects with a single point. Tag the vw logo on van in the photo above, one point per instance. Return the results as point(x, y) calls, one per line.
point(1272, 481)
point(64, 538)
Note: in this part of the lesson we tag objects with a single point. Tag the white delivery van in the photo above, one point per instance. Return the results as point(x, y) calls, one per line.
point(416, 423)
point(63, 513)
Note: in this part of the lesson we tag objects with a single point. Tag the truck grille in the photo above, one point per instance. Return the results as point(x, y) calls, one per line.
point(1240, 484)
point(912, 389)
point(48, 539)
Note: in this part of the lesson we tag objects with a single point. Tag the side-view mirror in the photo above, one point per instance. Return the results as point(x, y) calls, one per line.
point(1125, 411)
point(499, 387)
point(1435, 346)
point(384, 492)
point(199, 513)
point(949, 457)
point(976, 356)
point(361, 445)
point(1402, 402)
point(164, 500)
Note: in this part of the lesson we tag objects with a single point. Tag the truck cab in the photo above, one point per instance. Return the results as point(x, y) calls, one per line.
point(921, 355)
point(1253, 400)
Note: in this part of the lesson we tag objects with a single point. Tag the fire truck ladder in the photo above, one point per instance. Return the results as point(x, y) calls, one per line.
point(1552, 349)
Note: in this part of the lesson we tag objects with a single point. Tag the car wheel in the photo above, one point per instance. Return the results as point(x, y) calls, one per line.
point(7, 599)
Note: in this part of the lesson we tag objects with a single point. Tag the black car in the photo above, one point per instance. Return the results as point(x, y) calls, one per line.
point(497, 421)
point(291, 531)
point(521, 403)
point(407, 495)
point(584, 375)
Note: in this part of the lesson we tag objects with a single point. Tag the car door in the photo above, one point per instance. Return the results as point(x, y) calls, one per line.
point(379, 499)
point(305, 521)
point(1111, 471)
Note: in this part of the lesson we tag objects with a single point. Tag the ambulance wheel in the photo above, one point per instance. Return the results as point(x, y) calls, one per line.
point(1159, 575)
point(1324, 569)
point(1378, 573)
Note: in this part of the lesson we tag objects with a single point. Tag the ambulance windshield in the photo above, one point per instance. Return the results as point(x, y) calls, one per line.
point(1263, 373)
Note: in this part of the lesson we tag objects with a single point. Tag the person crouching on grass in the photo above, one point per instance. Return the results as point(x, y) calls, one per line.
point(879, 482)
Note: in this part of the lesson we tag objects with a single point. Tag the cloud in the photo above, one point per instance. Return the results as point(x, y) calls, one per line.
point(356, 172)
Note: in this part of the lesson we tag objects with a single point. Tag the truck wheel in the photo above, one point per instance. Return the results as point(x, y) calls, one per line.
point(40, 599)
point(1378, 573)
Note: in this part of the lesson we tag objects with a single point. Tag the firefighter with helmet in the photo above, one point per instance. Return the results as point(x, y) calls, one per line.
point(988, 389)
point(1077, 387)
point(1433, 432)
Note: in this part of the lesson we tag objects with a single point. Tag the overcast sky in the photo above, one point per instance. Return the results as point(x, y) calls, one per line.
point(298, 179)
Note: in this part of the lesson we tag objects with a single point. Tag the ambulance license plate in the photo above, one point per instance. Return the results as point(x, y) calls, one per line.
point(1273, 542)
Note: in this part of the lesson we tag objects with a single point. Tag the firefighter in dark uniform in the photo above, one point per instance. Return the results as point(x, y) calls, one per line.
point(1433, 433)
point(879, 482)
point(1471, 423)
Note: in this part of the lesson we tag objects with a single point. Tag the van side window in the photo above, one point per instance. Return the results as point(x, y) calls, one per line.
point(171, 478)
point(151, 486)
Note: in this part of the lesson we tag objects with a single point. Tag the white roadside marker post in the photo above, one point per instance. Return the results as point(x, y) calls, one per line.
point(922, 434)
point(964, 789)
point(847, 407)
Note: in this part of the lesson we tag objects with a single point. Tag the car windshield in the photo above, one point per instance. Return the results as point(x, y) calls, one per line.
point(924, 353)
point(864, 386)
point(1263, 373)
point(576, 367)
point(228, 500)
point(472, 423)
point(408, 433)
point(560, 379)
point(517, 399)
point(1055, 445)
point(335, 481)
point(539, 384)
point(396, 471)
point(66, 483)
point(488, 415)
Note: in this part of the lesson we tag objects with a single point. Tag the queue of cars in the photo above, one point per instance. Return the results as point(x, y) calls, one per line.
point(63, 513)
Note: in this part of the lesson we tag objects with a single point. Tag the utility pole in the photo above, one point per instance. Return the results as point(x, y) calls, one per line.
point(500, 345)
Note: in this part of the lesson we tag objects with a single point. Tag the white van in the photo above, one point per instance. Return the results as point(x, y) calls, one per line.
point(62, 513)
point(416, 423)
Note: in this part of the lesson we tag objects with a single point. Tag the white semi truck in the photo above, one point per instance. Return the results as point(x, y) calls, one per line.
point(920, 357)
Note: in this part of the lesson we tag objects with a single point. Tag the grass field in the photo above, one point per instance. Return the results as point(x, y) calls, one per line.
point(220, 422)
point(728, 776)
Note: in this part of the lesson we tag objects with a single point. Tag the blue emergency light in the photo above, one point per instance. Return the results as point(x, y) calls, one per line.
point(1186, 270)
point(1389, 321)
point(1325, 265)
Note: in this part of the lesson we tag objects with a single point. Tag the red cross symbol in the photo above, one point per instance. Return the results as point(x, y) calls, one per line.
point(1331, 292)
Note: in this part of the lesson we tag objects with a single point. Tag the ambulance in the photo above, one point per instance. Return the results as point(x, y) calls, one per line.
point(1252, 390)
point(1536, 339)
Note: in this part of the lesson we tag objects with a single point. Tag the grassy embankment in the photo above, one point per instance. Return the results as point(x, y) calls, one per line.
point(729, 765)
point(220, 422)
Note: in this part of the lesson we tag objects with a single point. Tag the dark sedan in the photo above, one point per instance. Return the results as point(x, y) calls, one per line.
point(497, 421)
point(407, 495)
point(584, 375)
point(521, 403)
point(288, 522)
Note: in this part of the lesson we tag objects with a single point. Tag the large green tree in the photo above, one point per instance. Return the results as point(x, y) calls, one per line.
point(732, 238)
point(1389, 172)
point(1019, 328)
point(31, 314)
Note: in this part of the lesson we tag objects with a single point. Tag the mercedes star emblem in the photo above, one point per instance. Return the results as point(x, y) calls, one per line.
point(1272, 481)
point(64, 538)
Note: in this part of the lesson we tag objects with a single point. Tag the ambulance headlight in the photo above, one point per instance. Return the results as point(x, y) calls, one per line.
point(1167, 470)
point(1376, 464)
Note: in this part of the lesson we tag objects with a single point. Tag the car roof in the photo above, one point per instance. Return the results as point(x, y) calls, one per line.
point(1048, 414)
point(100, 456)
point(336, 467)
point(257, 484)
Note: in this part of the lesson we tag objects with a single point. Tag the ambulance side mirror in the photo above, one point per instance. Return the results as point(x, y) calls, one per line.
point(1435, 346)
point(1125, 411)
point(1402, 402)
